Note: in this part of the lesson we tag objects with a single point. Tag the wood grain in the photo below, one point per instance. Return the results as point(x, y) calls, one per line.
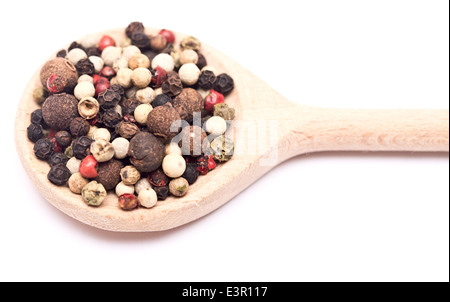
point(299, 129)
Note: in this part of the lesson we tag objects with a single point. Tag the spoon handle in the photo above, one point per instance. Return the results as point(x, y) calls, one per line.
point(374, 130)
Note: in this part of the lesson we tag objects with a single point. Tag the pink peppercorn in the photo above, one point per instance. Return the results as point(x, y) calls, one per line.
point(168, 34)
point(212, 99)
point(106, 41)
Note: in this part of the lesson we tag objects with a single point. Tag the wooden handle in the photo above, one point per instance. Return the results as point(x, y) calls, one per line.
point(373, 130)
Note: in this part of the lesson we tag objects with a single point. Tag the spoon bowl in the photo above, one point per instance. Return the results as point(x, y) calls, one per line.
point(269, 129)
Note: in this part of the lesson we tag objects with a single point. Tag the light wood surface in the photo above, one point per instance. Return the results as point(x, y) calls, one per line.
point(298, 129)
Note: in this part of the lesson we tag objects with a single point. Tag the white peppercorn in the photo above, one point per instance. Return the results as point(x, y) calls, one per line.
point(141, 185)
point(188, 56)
point(122, 62)
point(165, 61)
point(146, 95)
point(113, 81)
point(175, 54)
point(216, 125)
point(98, 63)
point(102, 150)
point(141, 77)
point(93, 193)
point(123, 77)
point(130, 51)
point(189, 73)
point(122, 188)
point(76, 183)
point(84, 90)
point(110, 54)
point(86, 78)
point(75, 55)
point(173, 165)
point(90, 40)
point(141, 112)
point(147, 198)
point(178, 186)
point(92, 129)
point(173, 148)
point(88, 107)
point(138, 60)
point(101, 133)
point(130, 175)
point(158, 91)
point(73, 164)
point(120, 146)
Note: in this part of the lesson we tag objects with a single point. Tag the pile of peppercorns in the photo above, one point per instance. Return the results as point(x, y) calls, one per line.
point(108, 114)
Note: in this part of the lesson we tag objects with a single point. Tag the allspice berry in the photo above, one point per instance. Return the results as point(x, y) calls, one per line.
point(192, 139)
point(160, 119)
point(109, 173)
point(188, 102)
point(58, 110)
point(61, 68)
point(146, 152)
point(79, 126)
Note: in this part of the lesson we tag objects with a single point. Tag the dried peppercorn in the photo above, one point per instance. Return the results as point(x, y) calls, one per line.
point(159, 75)
point(178, 186)
point(224, 111)
point(206, 79)
point(140, 39)
point(192, 140)
point(160, 100)
point(129, 105)
point(157, 178)
point(93, 193)
point(109, 173)
point(40, 95)
point(79, 126)
point(43, 148)
point(106, 41)
point(127, 129)
point(172, 86)
point(37, 118)
point(57, 158)
point(146, 152)
point(81, 146)
point(59, 174)
point(129, 175)
point(160, 119)
point(224, 83)
point(74, 45)
point(56, 84)
point(212, 99)
point(108, 99)
point(191, 173)
point(168, 34)
point(61, 54)
point(61, 68)
point(201, 62)
point(118, 89)
point(63, 138)
point(222, 148)
point(188, 102)
point(134, 27)
point(128, 202)
point(158, 42)
point(35, 132)
point(85, 66)
point(101, 84)
point(108, 72)
point(88, 167)
point(205, 164)
point(161, 192)
point(67, 107)
point(190, 42)
point(93, 51)
point(110, 118)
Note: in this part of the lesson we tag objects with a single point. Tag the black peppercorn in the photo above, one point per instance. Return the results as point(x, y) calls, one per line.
point(201, 61)
point(43, 148)
point(108, 99)
point(110, 118)
point(161, 192)
point(34, 132)
point(191, 173)
point(134, 27)
point(223, 84)
point(79, 126)
point(85, 66)
point(172, 86)
point(81, 146)
point(63, 138)
point(57, 158)
point(59, 174)
point(160, 100)
point(36, 118)
point(126, 129)
point(150, 54)
point(129, 105)
point(140, 39)
point(118, 89)
point(61, 54)
point(206, 80)
point(93, 51)
point(75, 44)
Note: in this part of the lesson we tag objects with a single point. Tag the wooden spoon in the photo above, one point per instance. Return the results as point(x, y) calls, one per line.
point(294, 129)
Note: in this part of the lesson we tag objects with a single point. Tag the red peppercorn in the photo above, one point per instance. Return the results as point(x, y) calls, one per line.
point(211, 163)
point(212, 99)
point(58, 148)
point(159, 75)
point(101, 85)
point(106, 41)
point(108, 72)
point(205, 164)
point(52, 133)
point(168, 34)
point(129, 118)
point(128, 201)
point(56, 84)
point(96, 77)
point(88, 167)
point(93, 120)
point(157, 178)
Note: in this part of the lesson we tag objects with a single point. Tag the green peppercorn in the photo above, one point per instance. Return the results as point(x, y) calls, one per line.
point(93, 193)
point(222, 148)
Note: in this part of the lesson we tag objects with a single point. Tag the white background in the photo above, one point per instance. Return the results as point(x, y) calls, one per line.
point(321, 217)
